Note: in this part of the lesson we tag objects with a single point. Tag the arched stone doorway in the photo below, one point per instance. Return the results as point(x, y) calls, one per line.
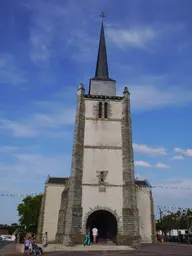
point(105, 222)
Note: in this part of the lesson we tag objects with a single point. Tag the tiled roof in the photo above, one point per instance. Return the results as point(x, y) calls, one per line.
point(142, 183)
point(57, 180)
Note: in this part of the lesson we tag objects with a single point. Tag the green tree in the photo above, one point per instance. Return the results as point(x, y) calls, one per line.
point(166, 223)
point(176, 220)
point(28, 212)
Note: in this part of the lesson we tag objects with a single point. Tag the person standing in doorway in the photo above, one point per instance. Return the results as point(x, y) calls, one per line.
point(95, 234)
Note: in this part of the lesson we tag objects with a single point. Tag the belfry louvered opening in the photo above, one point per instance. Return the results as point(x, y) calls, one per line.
point(100, 110)
point(105, 110)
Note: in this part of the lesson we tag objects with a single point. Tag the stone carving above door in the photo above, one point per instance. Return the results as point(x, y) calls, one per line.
point(101, 175)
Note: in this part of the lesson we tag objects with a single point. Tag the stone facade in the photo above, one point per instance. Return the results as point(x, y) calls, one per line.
point(144, 196)
point(153, 226)
point(41, 217)
point(144, 211)
point(103, 144)
point(102, 152)
point(130, 234)
point(102, 172)
point(73, 215)
point(62, 216)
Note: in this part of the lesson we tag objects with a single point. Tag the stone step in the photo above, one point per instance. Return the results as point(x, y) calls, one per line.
point(92, 247)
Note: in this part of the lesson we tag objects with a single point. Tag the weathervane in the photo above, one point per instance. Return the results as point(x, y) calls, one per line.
point(102, 15)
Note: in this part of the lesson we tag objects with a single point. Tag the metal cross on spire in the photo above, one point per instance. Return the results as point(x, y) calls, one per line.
point(102, 15)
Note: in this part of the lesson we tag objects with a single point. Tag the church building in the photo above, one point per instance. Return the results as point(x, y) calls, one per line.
point(102, 191)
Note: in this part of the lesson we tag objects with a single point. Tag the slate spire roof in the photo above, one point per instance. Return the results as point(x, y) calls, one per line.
point(102, 65)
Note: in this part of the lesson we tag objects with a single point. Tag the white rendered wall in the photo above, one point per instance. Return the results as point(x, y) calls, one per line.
point(102, 133)
point(144, 209)
point(52, 207)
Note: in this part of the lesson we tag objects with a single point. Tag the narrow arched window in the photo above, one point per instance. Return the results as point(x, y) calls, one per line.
point(105, 109)
point(100, 109)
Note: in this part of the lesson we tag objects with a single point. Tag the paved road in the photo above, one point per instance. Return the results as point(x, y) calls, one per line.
point(3, 244)
point(145, 250)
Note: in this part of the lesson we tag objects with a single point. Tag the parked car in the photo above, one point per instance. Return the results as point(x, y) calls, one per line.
point(6, 238)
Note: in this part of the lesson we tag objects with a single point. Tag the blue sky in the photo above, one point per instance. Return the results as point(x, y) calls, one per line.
point(48, 47)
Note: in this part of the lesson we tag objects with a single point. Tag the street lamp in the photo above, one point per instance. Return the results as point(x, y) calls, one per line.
point(189, 227)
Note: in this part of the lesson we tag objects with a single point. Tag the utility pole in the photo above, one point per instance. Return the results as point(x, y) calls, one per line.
point(160, 212)
point(189, 227)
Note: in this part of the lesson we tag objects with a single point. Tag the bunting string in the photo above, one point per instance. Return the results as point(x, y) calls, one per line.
point(169, 209)
point(167, 187)
point(145, 189)
point(19, 195)
point(163, 208)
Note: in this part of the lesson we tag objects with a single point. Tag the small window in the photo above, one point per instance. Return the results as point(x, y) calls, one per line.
point(100, 109)
point(105, 109)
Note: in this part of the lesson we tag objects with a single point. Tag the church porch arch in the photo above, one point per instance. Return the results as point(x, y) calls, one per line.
point(105, 220)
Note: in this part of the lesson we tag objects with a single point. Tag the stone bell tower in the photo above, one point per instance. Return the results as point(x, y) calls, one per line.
point(101, 191)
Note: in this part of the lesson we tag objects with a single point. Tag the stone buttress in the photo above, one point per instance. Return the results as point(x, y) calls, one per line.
point(73, 216)
point(130, 217)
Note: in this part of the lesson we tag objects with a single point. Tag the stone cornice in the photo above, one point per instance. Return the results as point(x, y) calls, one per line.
point(103, 119)
point(98, 185)
point(101, 97)
point(103, 147)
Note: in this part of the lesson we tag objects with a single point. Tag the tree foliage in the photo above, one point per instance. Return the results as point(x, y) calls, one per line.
point(28, 212)
point(174, 220)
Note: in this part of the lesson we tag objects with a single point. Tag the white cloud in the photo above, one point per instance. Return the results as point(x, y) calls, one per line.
point(52, 117)
point(40, 124)
point(173, 193)
point(43, 32)
point(142, 164)
point(50, 35)
point(8, 149)
point(177, 158)
point(9, 71)
point(138, 37)
point(40, 52)
point(27, 167)
point(147, 97)
point(187, 152)
point(149, 150)
point(62, 117)
point(148, 165)
point(44, 164)
point(161, 165)
point(18, 129)
point(27, 173)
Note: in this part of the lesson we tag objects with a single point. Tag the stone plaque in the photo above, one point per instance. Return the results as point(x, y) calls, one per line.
point(102, 189)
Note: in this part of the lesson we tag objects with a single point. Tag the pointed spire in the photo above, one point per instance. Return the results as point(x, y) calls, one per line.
point(102, 66)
